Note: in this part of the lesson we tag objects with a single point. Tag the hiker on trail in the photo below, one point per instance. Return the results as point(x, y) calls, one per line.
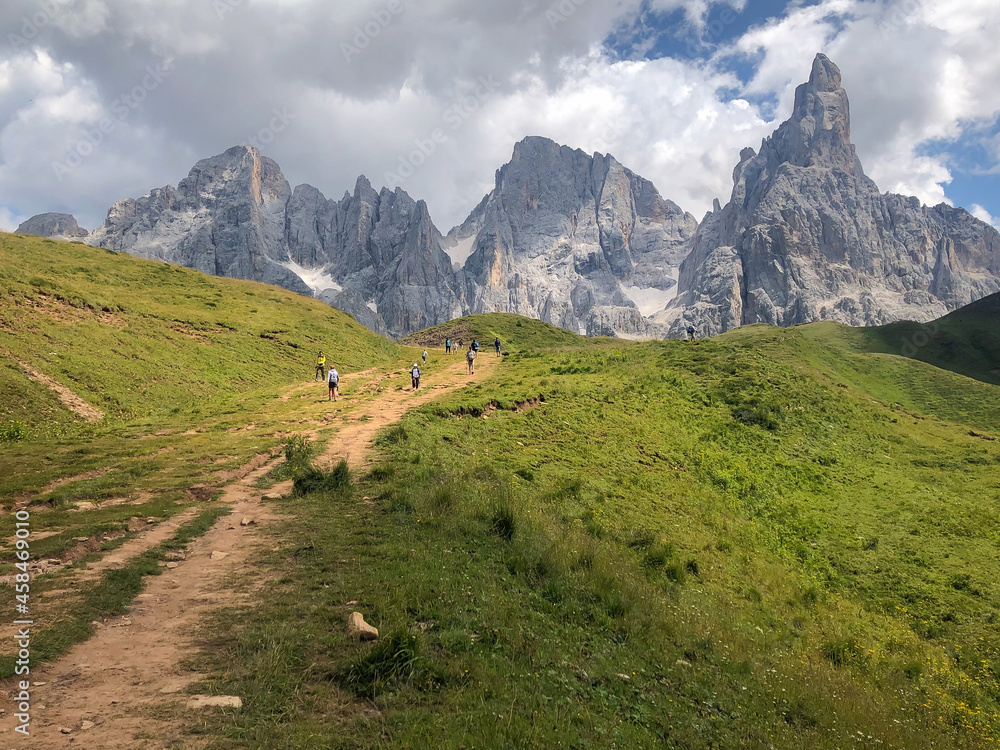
point(475, 345)
point(447, 346)
point(415, 376)
point(424, 355)
point(690, 333)
point(496, 343)
point(460, 343)
point(320, 366)
point(470, 358)
point(333, 379)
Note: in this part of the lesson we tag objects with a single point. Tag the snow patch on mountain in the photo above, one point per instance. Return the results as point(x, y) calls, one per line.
point(651, 300)
point(460, 251)
point(317, 279)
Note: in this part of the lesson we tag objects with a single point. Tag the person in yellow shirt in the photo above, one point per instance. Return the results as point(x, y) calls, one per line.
point(320, 367)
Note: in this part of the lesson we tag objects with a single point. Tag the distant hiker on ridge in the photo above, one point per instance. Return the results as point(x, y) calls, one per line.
point(690, 333)
point(333, 379)
point(460, 343)
point(415, 376)
point(496, 343)
point(470, 358)
point(320, 366)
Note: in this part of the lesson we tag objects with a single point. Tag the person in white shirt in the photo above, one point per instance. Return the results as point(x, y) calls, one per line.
point(333, 379)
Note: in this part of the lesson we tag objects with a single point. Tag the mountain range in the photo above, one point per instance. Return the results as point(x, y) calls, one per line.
point(582, 242)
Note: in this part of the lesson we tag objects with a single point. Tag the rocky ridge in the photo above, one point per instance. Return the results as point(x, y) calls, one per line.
point(581, 242)
point(807, 236)
point(575, 240)
point(376, 255)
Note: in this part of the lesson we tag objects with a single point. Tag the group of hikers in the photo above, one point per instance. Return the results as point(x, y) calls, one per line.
point(332, 377)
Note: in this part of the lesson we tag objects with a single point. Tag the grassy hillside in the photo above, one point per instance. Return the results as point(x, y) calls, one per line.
point(515, 332)
point(739, 542)
point(138, 338)
point(966, 341)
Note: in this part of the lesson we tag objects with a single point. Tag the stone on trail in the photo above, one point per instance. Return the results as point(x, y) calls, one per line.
point(87, 725)
point(65, 730)
point(247, 522)
point(216, 555)
point(136, 524)
point(215, 701)
point(358, 628)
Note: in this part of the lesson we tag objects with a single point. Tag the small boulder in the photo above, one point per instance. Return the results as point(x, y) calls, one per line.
point(247, 522)
point(216, 555)
point(87, 725)
point(358, 628)
point(136, 524)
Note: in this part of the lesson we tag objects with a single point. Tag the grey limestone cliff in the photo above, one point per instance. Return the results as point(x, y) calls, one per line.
point(573, 239)
point(377, 254)
point(807, 236)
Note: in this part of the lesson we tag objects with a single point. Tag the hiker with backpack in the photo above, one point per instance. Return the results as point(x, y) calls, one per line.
point(424, 355)
point(475, 345)
point(496, 344)
point(470, 358)
point(320, 366)
point(333, 379)
point(415, 376)
point(690, 333)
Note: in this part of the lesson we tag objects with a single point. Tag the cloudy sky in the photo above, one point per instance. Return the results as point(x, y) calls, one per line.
point(106, 99)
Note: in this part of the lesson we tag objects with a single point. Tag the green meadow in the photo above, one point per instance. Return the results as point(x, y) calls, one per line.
point(776, 538)
point(770, 539)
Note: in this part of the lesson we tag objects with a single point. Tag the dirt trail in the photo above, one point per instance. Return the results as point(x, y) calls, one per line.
point(69, 399)
point(117, 681)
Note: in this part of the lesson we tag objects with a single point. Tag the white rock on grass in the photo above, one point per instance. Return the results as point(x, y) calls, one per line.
point(358, 628)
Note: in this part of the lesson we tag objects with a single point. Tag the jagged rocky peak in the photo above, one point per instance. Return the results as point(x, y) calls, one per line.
point(819, 131)
point(574, 239)
point(807, 236)
point(374, 254)
point(53, 225)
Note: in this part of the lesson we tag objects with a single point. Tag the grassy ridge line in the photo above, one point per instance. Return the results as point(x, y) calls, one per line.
point(135, 337)
point(966, 341)
point(844, 356)
point(516, 333)
point(112, 596)
point(698, 545)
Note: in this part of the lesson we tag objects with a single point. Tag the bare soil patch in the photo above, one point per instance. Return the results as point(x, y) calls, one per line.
point(68, 398)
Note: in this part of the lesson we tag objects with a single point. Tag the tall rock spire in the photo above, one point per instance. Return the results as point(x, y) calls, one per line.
point(819, 131)
point(807, 236)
